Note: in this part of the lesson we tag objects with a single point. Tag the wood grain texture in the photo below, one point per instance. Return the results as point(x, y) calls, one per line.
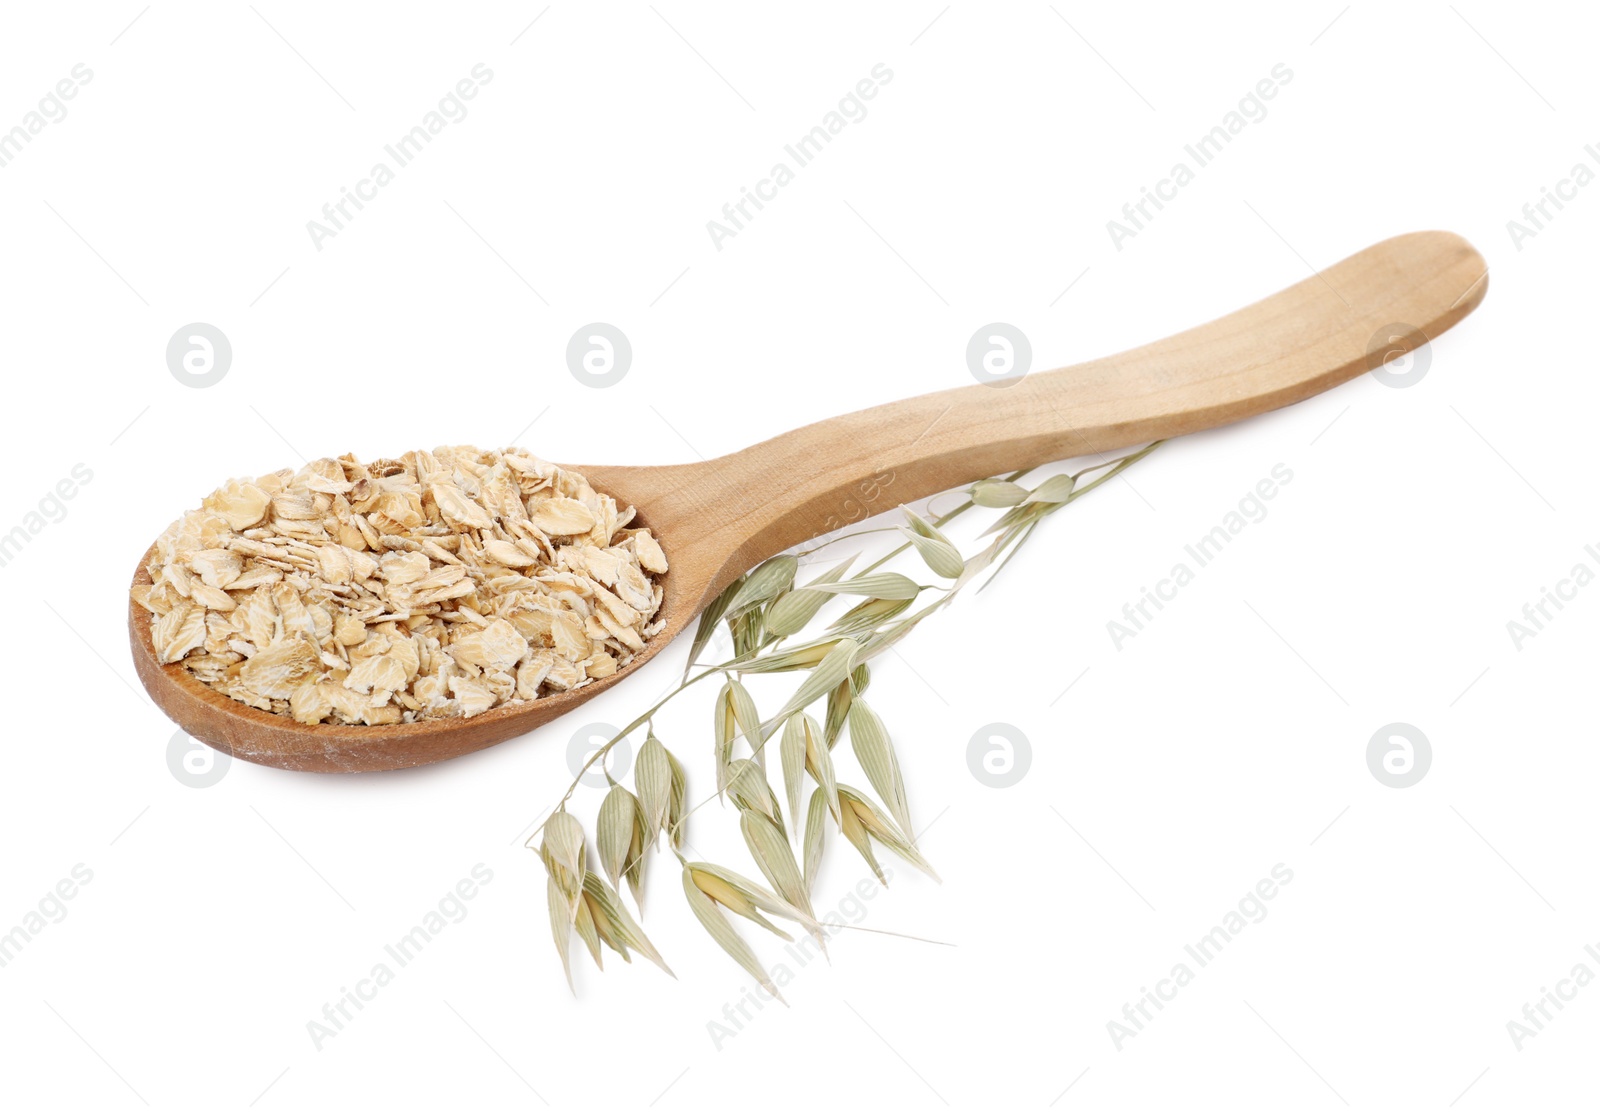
point(718, 517)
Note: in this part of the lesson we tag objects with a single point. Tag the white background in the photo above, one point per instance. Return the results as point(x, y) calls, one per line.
point(1229, 736)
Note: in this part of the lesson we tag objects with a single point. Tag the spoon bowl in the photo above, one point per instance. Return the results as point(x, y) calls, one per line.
point(718, 517)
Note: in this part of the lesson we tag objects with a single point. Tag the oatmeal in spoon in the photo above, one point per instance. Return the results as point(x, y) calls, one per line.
point(436, 585)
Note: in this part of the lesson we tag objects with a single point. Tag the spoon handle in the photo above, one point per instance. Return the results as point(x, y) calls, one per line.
point(1390, 298)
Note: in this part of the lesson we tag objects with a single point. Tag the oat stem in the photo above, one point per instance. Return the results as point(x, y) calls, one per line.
point(631, 822)
point(618, 736)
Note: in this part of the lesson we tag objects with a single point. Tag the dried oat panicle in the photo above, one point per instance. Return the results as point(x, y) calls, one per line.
point(437, 585)
point(771, 621)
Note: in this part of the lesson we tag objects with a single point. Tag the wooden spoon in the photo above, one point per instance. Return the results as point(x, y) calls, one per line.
point(717, 518)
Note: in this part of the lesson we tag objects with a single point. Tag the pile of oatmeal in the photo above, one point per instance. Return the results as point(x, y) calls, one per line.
point(436, 585)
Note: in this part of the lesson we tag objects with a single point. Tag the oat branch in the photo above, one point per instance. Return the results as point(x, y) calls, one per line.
point(766, 615)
